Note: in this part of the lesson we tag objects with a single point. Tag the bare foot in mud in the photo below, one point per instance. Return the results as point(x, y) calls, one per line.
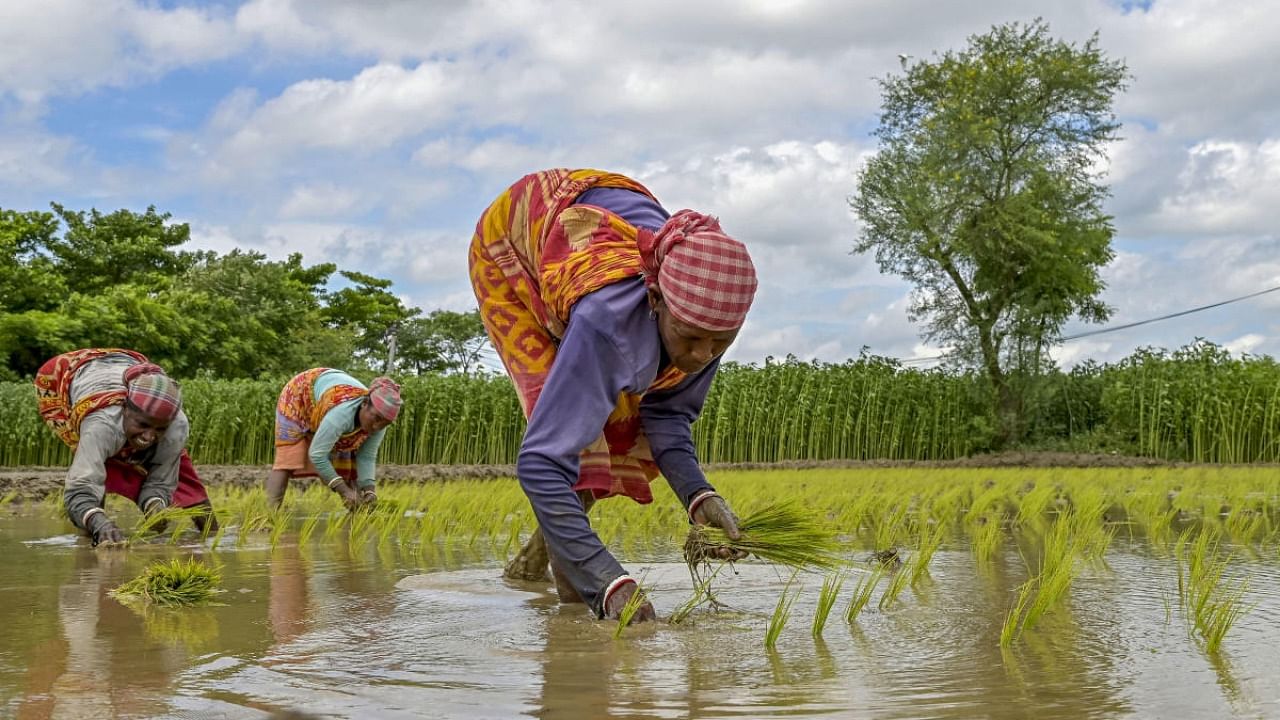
point(531, 562)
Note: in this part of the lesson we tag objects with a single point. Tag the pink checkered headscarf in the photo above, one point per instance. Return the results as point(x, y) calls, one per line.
point(384, 395)
point(706, 277)
point(148, 389)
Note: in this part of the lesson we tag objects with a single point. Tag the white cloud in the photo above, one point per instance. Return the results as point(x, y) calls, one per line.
point(33, 161)
point(323, 200)
point(58, 47)
point(1225, 187)
point(378, 107)
point(1245, 344)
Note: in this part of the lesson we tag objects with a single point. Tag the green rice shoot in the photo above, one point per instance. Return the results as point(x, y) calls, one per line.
point(172, 583)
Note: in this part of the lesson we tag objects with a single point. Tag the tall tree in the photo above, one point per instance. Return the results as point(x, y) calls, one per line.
point(987, 195)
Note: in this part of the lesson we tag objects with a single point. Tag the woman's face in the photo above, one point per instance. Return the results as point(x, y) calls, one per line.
point(142, 431)
point(370, 421)
point(690, 348)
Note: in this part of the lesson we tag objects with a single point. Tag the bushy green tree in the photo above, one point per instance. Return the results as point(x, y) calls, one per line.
point(369, 311)
point(986, 194)
point(71, 279)
point(442, 341)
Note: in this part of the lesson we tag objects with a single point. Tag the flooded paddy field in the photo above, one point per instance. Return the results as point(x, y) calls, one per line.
point(404, 613)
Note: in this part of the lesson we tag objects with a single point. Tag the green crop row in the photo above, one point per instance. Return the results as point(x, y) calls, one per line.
point(1196, 404)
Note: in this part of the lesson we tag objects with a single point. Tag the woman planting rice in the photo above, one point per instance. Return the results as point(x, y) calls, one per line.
point(122, 418)
point(610, 315)
point(328, 424)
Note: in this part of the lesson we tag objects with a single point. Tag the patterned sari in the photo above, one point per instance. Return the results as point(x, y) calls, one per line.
point(533, 256)
point(299, 413)
point(53, 392)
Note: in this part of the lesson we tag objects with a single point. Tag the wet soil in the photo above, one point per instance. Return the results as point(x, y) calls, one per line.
point(33, 483)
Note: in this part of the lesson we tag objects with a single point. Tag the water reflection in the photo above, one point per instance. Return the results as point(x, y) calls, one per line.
point(327, 629)
point(102, 667)
point(287, 609)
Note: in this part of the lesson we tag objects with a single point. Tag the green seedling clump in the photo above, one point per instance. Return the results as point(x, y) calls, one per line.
point(780, 533)
point(172, 583)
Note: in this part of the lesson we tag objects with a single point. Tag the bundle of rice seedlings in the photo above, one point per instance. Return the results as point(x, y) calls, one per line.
point(781, 533)
point(172, 584)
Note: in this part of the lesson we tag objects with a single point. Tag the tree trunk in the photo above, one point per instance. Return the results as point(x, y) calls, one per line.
point(1008, 407)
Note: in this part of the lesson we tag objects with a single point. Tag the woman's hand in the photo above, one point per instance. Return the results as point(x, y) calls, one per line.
point(714, 512)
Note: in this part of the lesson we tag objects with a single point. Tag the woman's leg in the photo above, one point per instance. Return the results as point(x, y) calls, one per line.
point(277, 484)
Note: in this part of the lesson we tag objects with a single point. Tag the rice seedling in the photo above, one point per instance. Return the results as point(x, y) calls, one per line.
point(701, 595)
point(280, 522)
point(986, 538)
point(897, 583)
point(1057, 571)
point(629, 609)
point(781, 533)
point(1033, 505)
point(217, 537)
point(889, 527)
point(1211, 604)
point(826, 601)
point(308, 528)
point(781, 613)
point(8, 497)
point(987, 502)
point(172, 583)
point(862, 592)
point(930, 540)
point(1013, 626)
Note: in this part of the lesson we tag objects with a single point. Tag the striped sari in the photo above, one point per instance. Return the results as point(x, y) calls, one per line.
point(533, 256)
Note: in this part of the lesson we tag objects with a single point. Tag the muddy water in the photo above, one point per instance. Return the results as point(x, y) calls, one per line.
point(383, 633)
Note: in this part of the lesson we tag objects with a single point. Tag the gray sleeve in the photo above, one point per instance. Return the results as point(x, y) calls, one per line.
point(100, 438)
point(162, 471)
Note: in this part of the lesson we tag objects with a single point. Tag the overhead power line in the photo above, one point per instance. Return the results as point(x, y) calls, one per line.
point(1125, 326)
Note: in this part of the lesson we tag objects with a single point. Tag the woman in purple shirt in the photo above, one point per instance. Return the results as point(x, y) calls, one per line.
point(610, 316)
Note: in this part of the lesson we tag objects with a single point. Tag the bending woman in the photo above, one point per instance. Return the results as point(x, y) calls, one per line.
point(328, 424)
point(610, 315)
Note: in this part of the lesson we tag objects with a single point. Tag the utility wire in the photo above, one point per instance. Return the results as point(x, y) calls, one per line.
point(1126, 326)
point(1091, 333)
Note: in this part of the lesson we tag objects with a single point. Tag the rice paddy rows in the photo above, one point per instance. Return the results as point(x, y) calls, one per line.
point(888, 524)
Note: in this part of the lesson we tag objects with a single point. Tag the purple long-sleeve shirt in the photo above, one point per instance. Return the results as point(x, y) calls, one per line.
point(611, 345)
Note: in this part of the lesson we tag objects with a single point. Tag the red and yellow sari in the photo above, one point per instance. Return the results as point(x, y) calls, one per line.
point(53, 400)
point(533, 256)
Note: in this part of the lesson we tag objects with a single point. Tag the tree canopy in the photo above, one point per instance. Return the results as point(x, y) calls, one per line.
point(71, 279)
point(987, 195)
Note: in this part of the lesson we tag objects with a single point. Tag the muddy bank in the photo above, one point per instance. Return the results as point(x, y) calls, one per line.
point(37, 482)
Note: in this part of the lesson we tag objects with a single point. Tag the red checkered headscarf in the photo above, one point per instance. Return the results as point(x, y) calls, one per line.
point(706, 277)
point(149, 390)
point(384, 395)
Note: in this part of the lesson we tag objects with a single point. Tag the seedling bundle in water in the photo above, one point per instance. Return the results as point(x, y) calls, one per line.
point(172, 584)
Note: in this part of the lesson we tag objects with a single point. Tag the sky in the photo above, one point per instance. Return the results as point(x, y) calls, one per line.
point(373, 133)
